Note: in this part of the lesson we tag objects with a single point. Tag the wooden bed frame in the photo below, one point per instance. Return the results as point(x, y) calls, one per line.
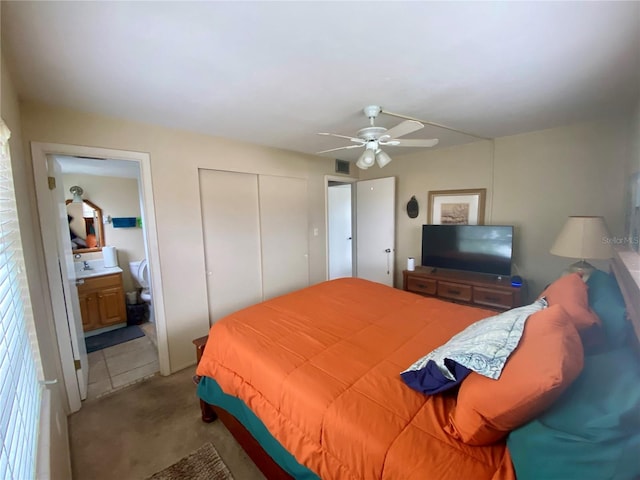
point(271, 470)
point(250, 445)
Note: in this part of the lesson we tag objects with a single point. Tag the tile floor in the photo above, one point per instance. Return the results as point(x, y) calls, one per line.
point(116, 367)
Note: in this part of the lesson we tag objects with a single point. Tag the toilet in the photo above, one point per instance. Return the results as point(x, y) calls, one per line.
point(140, 273)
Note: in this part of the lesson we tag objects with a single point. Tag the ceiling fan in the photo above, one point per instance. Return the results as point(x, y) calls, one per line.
point(372, 138)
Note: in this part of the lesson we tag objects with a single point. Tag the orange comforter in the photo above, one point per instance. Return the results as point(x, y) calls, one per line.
point(320, 367)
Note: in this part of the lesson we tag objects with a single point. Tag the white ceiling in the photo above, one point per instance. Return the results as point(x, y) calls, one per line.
point(276, 73)
point(98, 167)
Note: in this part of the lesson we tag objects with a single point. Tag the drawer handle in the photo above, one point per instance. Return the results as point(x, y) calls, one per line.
point(454, 292)
point(420, 285)
point(492, 299)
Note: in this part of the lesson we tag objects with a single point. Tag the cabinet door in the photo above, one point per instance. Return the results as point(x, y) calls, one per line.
point(111, 302)
point(89, 311)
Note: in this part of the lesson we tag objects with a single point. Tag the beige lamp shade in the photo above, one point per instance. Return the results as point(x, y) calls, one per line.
point(583, 237)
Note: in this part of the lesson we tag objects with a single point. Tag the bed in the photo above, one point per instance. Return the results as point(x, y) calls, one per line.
point(309, 383)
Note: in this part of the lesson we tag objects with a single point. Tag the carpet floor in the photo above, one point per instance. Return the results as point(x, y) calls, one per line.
point(203, 464)
point(140, 430)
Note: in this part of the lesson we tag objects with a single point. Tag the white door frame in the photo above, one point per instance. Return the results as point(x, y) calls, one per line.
point(39, 152)
point(336, 178)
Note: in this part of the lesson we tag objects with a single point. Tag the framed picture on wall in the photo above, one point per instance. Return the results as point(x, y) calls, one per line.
point(456, 207)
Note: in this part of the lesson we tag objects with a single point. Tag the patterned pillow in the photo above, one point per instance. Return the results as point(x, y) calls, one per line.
point(483, 347)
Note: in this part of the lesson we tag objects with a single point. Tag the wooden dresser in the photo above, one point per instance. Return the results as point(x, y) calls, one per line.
point(102, 301)
point(487, 291)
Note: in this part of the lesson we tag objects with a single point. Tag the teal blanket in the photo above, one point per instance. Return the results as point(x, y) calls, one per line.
point(210, 392)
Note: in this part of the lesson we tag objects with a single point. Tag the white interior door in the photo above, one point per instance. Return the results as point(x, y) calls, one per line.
point(339, 231)
point(284, 231)
point(375, 229)
point(231, 225)
point(68, 304)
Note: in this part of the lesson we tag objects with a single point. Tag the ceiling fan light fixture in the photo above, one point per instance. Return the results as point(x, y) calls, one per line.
point(361, 165)
point(77, 192)
point(382, 158)
point(367, 159)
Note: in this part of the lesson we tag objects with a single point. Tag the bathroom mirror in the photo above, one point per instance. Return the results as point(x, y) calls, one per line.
point(85, 226)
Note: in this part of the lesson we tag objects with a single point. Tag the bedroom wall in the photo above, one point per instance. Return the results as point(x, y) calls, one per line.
point(176, 157)
point(534, 181)
point(117, 197)
point(634, 159)
point(632, 214)
point(60, 466)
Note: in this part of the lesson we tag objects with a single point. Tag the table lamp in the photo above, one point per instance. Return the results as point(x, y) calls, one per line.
point(583, 238)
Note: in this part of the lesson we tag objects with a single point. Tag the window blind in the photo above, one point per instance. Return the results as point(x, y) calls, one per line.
point(20, 368)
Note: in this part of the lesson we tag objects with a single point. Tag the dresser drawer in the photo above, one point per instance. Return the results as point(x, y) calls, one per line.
point(485, 291)
point(492, 298)
point(421, 285)
point(455, 291)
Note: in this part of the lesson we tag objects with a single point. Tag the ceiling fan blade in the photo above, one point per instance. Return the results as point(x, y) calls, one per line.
point(403, 128)
point(410, 142)
point(357, 140)
point(339, 148)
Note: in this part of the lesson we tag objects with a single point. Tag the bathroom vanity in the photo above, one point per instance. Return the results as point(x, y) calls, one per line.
point(102, 299)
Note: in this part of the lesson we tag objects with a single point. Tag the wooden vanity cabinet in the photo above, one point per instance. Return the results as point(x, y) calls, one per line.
point(102, 301)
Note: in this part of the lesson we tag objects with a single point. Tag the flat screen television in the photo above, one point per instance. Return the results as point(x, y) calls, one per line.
point(474, 248)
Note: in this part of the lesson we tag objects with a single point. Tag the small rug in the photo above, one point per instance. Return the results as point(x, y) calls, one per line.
point(114, 337)
point(203, 464)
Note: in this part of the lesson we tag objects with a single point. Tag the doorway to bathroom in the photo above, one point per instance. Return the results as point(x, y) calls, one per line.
point(113, 288)
point(89, 290)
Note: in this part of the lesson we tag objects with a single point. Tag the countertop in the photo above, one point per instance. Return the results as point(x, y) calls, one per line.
point(97, 269)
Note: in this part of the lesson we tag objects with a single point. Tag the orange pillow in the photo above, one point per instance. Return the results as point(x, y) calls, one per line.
point(570, 291)
point(548, 358)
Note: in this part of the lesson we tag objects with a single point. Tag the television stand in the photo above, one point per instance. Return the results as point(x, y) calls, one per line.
point(477, 289)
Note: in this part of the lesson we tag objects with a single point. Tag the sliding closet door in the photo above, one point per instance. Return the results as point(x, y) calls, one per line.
point(231, 226)
point(284, 231)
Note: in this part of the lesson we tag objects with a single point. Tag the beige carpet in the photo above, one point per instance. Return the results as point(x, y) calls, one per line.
point(203, 464)
point(138, 431)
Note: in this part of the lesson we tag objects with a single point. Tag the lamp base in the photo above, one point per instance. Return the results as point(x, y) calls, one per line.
point(583, 268)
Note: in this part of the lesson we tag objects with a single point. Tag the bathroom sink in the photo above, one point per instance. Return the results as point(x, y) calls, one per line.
point(97, 269)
